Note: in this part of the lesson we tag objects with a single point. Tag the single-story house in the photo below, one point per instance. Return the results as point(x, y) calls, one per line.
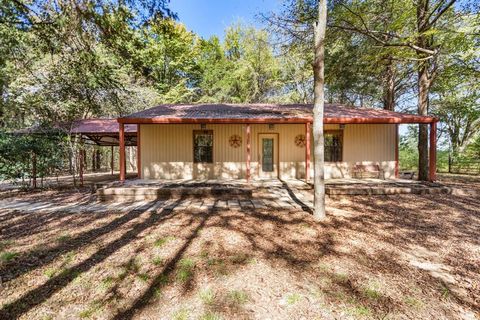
point(255, 141)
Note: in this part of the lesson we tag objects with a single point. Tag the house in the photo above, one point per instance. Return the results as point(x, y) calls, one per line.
point(255, 141)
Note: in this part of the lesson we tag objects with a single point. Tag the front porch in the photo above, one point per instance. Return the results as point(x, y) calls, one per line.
point(288, 194)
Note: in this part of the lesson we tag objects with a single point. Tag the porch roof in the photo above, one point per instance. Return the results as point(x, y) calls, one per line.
point(267, 113)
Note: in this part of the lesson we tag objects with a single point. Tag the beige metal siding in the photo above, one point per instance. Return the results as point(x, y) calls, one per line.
point(167, 151)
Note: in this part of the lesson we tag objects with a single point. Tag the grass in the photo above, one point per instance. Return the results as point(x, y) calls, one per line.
point(88, 313)
point(210, 316)
point(238, 297)
point(207, 296)
point(372, 291)
point(50, 272)
point(413, 302)
point(64, 237)
point(157, 261)
point(181, 314)
point(107, 282)
point(7, 256)
point(160, 242)
point(143, 276)
point(360, 311)
point(293, 298)
point(185, 269)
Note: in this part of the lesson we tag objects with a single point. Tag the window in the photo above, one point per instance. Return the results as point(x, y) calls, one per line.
point(333, 146)
point(203, 146)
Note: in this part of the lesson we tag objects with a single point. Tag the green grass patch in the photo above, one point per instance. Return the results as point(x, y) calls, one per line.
point(210, 316)
point(360, 311)
point(64, 237)
point(293, 298)
point(341, 277)
point(207, 296)
point(413, 302)
point(50, 272)
point(143, 276)
point(107, 282)
point(372, 293)
point(157, 261)
point(181, 314)
point(238, 297)
point(7, 256)
point(185, 269)
point(160, 242)
point(88, 313)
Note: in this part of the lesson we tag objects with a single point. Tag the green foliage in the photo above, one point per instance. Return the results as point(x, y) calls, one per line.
point(18, 151)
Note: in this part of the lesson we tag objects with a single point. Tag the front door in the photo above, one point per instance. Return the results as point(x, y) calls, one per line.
point(268, 153)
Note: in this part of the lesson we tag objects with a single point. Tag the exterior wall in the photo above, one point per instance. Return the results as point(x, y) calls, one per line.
point(167, 151)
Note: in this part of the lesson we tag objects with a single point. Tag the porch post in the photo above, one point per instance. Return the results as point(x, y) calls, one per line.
point(433, 151)
point(82, 161)
point(111, 159)
point(307, 152)
point(396, 152)
point(248, 151)
point(121, 139)
point(139, 162)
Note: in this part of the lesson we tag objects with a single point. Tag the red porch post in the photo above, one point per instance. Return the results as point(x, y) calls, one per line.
point(247, 129)
point(139, 162)
point(396, 152)
point(307, 151)
point(433, 151)
point(121, 139)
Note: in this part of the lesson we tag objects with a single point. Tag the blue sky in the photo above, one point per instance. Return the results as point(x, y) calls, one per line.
point(211, 17)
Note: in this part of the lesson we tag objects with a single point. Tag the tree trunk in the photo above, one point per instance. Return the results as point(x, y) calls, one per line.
point(98, 160)
point(318, 107)
point(389, 86)
point(423, 89)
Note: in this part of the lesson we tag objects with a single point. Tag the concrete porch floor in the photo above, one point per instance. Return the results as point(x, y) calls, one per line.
point(139, 189)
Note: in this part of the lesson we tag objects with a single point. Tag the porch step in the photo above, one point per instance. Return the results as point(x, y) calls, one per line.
point(332, 190)
point(133, 193)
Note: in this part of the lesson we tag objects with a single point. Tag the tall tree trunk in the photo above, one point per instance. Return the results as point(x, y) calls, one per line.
point(318, 107)
point(389, 85)
point(423, 88)
point(98, 160)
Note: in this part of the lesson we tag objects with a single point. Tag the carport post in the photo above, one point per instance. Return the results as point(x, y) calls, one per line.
point(433, 151)
point(111, 160)
point(121, 138)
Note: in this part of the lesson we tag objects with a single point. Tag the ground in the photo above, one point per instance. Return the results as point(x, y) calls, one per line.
point(64, 256)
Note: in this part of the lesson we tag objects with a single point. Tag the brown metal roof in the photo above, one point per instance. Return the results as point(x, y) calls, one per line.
point(100, 126)
point(260, 113)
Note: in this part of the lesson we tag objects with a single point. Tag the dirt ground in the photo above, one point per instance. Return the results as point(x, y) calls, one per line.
point(389, 257)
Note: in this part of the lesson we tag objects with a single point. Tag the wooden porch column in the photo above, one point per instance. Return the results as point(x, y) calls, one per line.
point(433, 151)
point(34, 170)
point(121, 139)
point(82, 161)
point(307, 152)
point(139, 162)
point(248, 151)
point(396, 152)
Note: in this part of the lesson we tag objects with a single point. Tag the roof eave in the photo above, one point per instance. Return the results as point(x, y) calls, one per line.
point(328, 120)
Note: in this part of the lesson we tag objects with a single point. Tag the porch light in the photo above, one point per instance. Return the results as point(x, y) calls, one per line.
point(342, 126)
point(203, 126)
point(271, 126)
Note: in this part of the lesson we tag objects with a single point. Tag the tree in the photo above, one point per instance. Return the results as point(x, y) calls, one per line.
point(318, 107)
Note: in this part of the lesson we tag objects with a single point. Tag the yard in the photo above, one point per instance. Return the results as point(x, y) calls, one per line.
point(396, 257)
